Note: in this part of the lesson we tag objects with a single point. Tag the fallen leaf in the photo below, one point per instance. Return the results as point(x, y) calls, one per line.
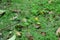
point(30, 38)
point(24, 20)
point(18, 33)
point(50, 1)
point(58, 32)
point(12, 38)
point(2, 12)
point(37, 26)
point(51, 12)
point(58, 38)
point(13, 18)
point(15, 11)
point(0, 33)
point(43, 33)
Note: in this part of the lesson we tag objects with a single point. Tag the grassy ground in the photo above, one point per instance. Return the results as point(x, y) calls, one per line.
point(30, 19)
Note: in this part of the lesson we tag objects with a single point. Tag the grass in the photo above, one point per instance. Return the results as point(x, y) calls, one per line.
point(32, 12)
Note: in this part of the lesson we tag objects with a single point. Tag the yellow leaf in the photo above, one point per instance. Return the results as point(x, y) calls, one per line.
point(36, 18)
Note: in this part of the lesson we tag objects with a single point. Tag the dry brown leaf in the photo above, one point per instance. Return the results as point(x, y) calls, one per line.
point(18, 33)
point(43, 33)
point(58, 31)
point(51, 12)
point(30, 38)
point(16, 11)
point(50, 1)
point(58, 38)
point(37, 26)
